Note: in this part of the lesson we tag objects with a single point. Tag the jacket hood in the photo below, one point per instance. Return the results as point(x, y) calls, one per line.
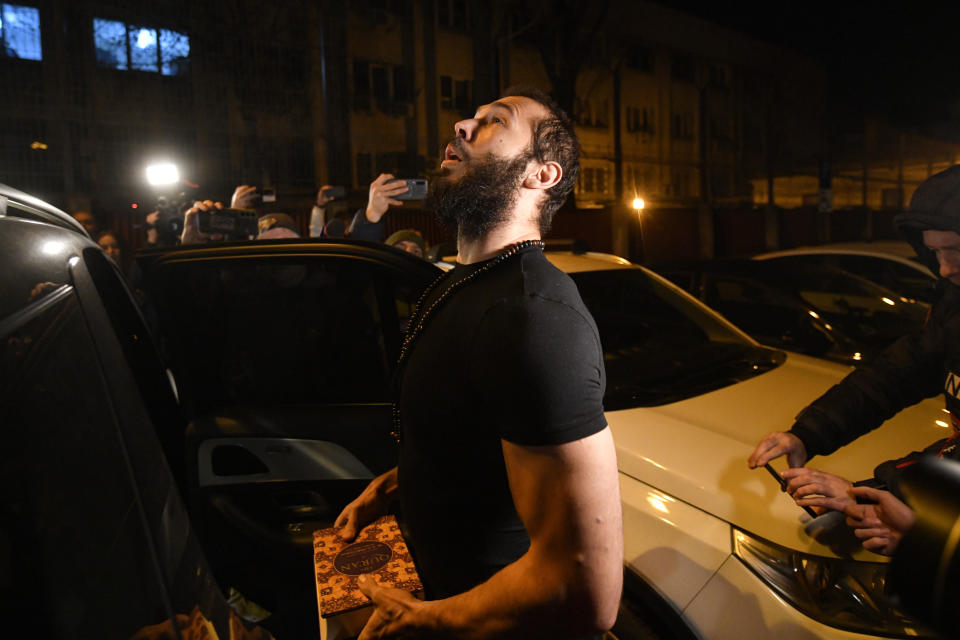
point(935, 205)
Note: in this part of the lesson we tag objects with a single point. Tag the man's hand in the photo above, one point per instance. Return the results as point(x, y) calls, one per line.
point(804, 485)
point(191, 223)
point(395, 615)
point(880, 526)
point(244, 197)
point(368, 506)
point(775, 445)
point(322, 198)
point(382, 196)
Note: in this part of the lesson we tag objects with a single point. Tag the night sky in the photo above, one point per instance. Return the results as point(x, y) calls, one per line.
point(899, 59)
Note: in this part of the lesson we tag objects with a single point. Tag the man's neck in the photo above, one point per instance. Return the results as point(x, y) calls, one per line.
point(490, 245)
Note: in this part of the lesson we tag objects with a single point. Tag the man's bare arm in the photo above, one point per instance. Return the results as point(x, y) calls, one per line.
point(567, 584)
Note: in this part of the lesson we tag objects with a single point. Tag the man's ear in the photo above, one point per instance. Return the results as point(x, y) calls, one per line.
point(543, 176)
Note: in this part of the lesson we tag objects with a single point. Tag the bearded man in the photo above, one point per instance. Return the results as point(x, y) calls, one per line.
point(507, 473)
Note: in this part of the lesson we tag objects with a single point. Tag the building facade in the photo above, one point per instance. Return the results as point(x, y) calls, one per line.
point(670, 108)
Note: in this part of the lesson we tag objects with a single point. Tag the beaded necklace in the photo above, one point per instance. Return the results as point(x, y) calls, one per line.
point(421, 316)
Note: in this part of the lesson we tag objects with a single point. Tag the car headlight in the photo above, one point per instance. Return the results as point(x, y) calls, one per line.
point(846, 594)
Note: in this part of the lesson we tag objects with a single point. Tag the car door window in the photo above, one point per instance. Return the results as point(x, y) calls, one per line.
point(278, 331)
point(74, 555)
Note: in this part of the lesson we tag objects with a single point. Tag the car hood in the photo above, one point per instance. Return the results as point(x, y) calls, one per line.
point(696, 450)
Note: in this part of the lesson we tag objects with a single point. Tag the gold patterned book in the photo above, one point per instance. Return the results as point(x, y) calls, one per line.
point(379, 550)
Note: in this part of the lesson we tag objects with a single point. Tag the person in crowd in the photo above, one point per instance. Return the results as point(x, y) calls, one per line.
point(88, 220)
point(507, 473)
point(917, 366)
point(367, 224)
point(318, 214)
point(276, 225)
point(408, 240)
point(111, 245)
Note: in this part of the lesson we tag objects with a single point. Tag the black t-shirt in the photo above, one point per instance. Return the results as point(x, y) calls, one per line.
point(512, 355)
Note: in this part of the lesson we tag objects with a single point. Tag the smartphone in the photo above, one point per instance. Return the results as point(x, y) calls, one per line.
point(335, 192)
point(268, 195)
point(234, 224)
point(783, 487)
point(416, 189)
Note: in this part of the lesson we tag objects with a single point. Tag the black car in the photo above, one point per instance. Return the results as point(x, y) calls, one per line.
point(138, 488)
point(811, 309)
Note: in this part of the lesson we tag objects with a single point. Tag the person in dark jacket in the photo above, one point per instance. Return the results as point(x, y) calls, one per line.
point(917, 366)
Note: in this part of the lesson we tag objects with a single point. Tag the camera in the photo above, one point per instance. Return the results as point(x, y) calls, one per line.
point(169, 224)
point(233, 224)
point(416, 189)
point(925, 570)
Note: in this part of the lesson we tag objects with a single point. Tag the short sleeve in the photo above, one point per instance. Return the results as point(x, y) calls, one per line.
point(537, 364)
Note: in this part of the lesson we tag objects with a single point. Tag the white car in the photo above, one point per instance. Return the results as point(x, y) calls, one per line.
point(890, 263)
point(714, 549)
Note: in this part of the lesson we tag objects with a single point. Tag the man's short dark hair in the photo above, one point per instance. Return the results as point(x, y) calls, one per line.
point(554, 140)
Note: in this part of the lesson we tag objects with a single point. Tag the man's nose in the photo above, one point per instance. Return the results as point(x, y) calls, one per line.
point(466, 128)
point(949, 265)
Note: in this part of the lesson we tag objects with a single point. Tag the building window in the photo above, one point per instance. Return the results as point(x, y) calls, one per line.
point(640, 119)
point(681, 126)
point(682, 68)
point(640, 179)
point(592, 180)
point(453, 13)
point(455, 94)
point(382, 86)
point(640, 58)
point(681, 183)
point(20, 32)
point(590, 112)
point(718, 77)
point(129, 47)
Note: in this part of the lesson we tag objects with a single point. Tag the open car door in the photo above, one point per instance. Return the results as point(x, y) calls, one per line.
point(282, 355)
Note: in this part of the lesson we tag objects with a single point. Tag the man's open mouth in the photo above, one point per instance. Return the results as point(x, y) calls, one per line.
point(451, 154)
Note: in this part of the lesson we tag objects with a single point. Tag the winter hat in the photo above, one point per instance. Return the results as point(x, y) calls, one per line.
point(410, 235)
point(935, 205)
point(271, 224)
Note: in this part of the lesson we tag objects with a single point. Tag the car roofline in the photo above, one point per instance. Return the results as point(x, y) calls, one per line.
point(31, 208)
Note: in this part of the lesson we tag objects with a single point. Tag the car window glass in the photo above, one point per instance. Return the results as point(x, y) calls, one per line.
point(755, 309)
point(73, 552)
point(277, 331)
point(898, 277)
point(659, 345)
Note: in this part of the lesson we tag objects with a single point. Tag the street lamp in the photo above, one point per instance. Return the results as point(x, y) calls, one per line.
point(638, 205)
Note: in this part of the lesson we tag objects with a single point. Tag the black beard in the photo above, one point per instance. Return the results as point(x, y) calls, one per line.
point(481, 199)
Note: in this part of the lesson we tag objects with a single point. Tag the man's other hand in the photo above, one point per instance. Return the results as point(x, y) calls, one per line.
point(879, 526)
point(818, 489)
point(775, 445)
point(322, 198)
point(244, 197)
point(191, 223)
point(368, 506)
point(382, 196)
point(395, 615)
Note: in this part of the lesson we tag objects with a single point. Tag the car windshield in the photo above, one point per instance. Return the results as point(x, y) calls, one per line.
point(660, 345)
point(868, 313)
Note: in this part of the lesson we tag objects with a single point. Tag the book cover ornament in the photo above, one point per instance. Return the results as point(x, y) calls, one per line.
point(379, 550)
